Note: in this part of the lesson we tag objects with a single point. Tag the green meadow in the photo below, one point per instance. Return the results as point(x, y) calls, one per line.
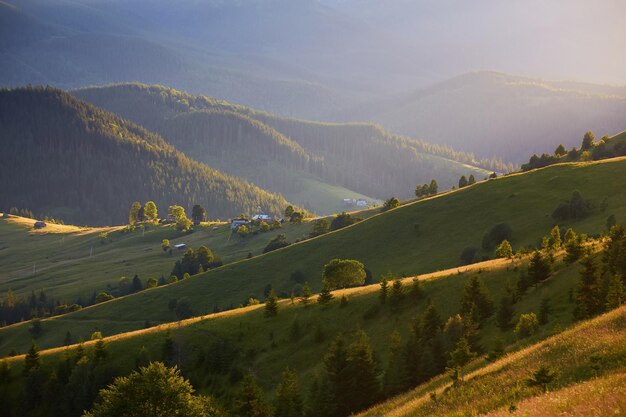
point(419, 237)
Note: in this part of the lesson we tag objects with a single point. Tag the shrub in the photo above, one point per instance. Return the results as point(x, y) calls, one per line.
point(527, 325)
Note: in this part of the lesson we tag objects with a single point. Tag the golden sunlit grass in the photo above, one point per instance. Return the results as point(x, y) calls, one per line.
point(600, 397)
point(593, 348)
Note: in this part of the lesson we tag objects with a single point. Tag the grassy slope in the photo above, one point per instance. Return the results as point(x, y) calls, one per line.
point(249, 331)
point(57, 258)
point(603, 396)
point(498, 385)
point(448, 223)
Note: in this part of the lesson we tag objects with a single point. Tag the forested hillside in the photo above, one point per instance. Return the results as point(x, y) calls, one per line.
point(66, 158)
point(239, 140)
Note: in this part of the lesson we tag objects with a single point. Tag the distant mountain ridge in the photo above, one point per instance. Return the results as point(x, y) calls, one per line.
point(275, 151)
point(67, 158)
point(491, 113)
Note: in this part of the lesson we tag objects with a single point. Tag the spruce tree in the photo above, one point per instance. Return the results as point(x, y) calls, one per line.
point(305, 295)
point(250, 401)
point(288, 401)
point(471, 180)
point(460, 357)
point(362, 373)
point(433, 188)
point(615, 295)
point(271, 305)
point(384, 290)
point(394, 374)
point(31, 360)
point(554, 241)
point(397, 292)
point(539, 269)
point(504, 250)
point(100, 352)
point(589, 301)
point(542, 377)
point(321, 400)
point(325, 296)
point(505, 313)
point(339, 384)
point(168, 349)
point(476, 293)
point(544, 311)
point(417, 289)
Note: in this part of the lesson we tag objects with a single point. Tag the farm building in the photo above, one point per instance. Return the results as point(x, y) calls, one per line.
point(262, 217)
point(39, 225)
point(236, 223)
point(181, 246)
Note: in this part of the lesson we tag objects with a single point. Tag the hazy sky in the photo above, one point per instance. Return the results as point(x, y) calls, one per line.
point(573, 39)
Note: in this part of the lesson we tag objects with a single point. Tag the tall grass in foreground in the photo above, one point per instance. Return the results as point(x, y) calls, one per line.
point(592, 349)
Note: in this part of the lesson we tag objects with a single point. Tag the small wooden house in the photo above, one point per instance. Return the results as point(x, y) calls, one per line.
point(39, 225)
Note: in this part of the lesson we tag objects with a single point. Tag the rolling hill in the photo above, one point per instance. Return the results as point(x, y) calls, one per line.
point(214, 351)
point(288, 155)
point(496, 114)
point(420, 237)
point(492, 389)
point(66, 158)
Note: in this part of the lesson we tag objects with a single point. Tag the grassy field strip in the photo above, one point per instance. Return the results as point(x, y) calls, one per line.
point(405, 405)
point(600, 397)
point(487, 265)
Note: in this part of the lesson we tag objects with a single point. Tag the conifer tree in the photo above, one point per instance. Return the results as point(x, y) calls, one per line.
point(384, 290)
point(397, 292)
point(100, 352)
point(271, 305)
point(339, 384)
point(542, 377)
point(288, 402)
point(433, 188)
point(31, 360)
point(554, 241)
point(544, 311)
point(476, 293)
point(462, 182)
point(417, 289)
point(250, 401)
point(305, 295)
point(539, 269)
point(589, 300)
point(325, 296)
point(471, 180)
point(343, 302)
point(504, 250)
point(615, 295)
point(362, 373)
point(460, 357)
point(573, 245)
point(168, 349)
point(394, 374)
point(505, 313)
point(321, 401)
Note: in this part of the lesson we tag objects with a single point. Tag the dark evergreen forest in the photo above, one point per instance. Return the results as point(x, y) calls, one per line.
point(71, 160)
